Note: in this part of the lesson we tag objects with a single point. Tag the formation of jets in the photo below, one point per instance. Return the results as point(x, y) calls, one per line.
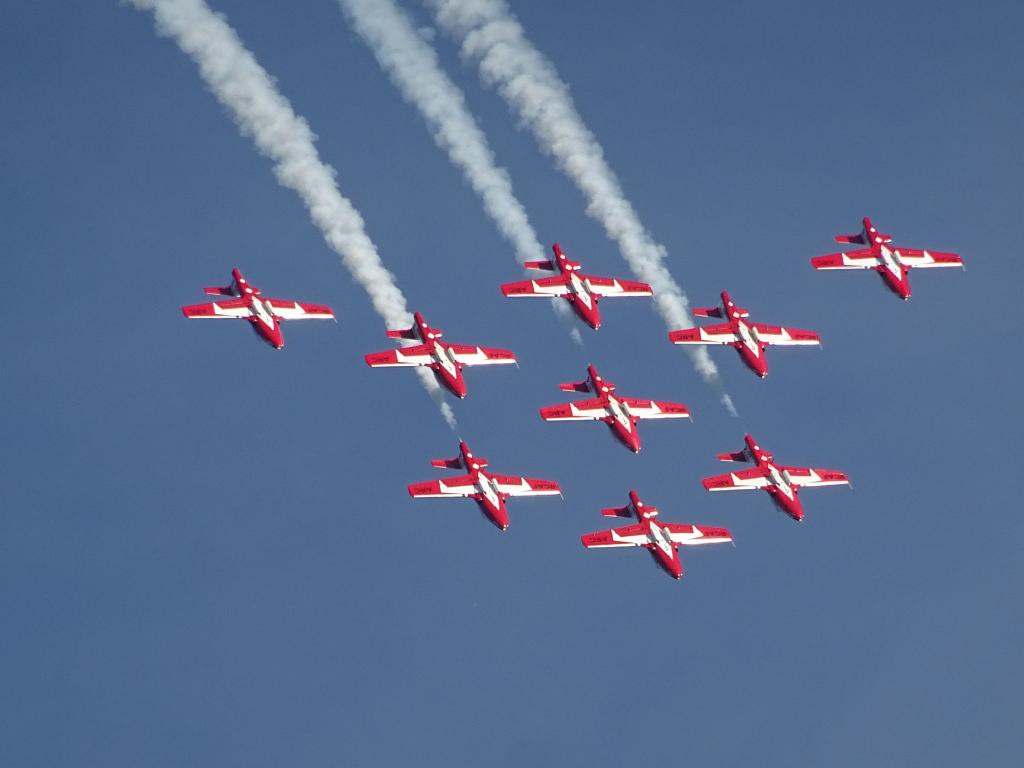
point(422, 347)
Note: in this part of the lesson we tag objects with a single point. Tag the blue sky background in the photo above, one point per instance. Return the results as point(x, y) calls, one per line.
point(207, 552)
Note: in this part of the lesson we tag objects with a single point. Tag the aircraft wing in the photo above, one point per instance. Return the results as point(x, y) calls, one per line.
point(525, 486)
point(416, 355)
point(743, 480)
point(918, 259)
point(809, 477)
point(481, 355)
point(296, 310)
point(694, 535)
point(866, 258)
point(545, 287)
point(609, 287)
point(655, 409)
point(581, 410)
point(460, 486)
point(708, 334)
point(786, 337)
point(233, 308)
point(627, 536)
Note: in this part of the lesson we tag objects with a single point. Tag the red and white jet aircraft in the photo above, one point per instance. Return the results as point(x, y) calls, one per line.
point(781, 482)
point(750, 339)
point(661, 540)
point(488, 490)
point(445, 360)
point(620, 413)
point(264, 315)
point(891, 263)
point(581, 291)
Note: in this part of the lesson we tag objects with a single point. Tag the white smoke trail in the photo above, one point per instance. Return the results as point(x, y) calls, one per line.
point(259, 110)
point(489, 34)
point(412, 65)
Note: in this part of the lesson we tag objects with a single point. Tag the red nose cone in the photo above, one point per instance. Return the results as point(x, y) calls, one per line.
point(453, 383)
point(590, 315)
point(496, 513)
point(757, 363)
point(671, 563)
point(792, 507)
point(276, 338)
point(674, 567)
point(499, 517)
point(628, 437)
point(633, 441)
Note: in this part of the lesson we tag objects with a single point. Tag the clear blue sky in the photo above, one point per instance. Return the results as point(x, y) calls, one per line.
point(207, 553)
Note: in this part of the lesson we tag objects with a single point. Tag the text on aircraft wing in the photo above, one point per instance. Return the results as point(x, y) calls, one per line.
point(627, 536)
point(232, 308)
point(786, 337)
point(416, 355)
point(655, 409)
point(918, 259)
point(742, 480)
point(467, 355)
point(461, 485)
point(610, 287)
point(866, 258)
point(545, 287)
point(811, 477)
point(582, 410)
point(297, 310)
point(708, 334)
point(695, 535)
point(525, 486)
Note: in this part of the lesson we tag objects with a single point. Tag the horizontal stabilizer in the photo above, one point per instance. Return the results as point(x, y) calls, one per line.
point(455, 463)
point(738, 456)
point(546, 265)
point(410, 333)
point(857, 238)
point(617, 512)
point(708, 312)
point(216, 291)
point(575, 386)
